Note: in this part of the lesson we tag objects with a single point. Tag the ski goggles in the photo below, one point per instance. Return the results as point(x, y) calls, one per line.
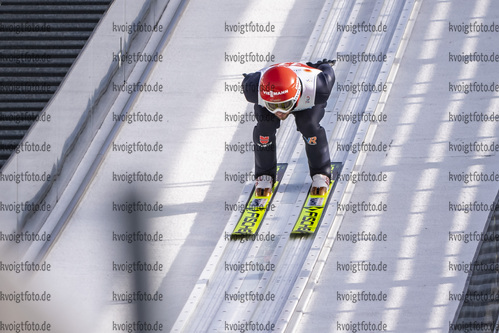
point(285, 106)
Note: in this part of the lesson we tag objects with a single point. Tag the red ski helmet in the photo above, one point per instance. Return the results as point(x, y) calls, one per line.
point(280, 88)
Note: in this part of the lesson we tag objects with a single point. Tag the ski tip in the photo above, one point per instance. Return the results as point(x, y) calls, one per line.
point(301, 233)
point(239, 236)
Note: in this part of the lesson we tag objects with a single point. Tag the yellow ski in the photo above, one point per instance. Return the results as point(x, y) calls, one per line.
point(315, 206)
point(256, 208)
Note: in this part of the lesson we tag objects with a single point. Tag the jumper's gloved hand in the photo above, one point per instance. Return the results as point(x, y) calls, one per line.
point(320, 62)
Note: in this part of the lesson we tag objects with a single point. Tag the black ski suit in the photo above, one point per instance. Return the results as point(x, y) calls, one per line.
point(307, 122)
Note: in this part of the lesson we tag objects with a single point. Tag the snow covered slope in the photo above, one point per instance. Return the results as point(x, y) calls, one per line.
point(143, 242)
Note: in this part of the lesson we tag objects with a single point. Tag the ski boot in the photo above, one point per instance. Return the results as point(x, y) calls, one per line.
point(320, 184)
point(263, 186)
